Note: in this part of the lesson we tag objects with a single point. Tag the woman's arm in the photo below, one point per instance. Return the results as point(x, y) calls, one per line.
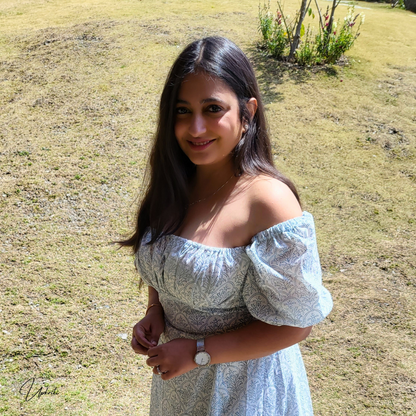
point(254, 340)
point(146, 332)
point(153, 299)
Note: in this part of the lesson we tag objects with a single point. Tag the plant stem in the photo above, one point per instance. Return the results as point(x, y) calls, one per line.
point(320, 16)
point(296, 38)
point(284, 22)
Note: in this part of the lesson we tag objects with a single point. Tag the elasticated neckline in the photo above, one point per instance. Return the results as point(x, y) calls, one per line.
point(282, 227)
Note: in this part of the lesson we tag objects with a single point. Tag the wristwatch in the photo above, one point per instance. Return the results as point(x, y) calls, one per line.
point(202, 358)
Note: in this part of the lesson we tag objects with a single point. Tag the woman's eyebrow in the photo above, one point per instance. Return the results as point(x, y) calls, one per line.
point(204, 101)
point(211, 99)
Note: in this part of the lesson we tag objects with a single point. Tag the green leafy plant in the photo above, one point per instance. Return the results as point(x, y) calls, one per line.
point(398, 3)
point(306, 53)
point(335, 39)
point(275, 36)
point(265, 21)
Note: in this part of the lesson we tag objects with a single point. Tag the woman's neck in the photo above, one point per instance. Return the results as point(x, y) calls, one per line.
point(209, 178)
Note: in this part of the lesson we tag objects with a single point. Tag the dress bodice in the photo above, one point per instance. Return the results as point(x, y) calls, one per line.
point(276, 279)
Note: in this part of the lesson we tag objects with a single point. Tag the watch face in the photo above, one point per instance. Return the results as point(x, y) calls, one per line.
point(202, 358)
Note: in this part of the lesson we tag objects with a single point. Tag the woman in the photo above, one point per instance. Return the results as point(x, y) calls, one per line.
point(230, 259)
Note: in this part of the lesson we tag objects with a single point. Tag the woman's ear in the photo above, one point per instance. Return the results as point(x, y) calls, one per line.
point(252, 106)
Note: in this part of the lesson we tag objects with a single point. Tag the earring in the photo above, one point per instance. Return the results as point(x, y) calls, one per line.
point(245, 128)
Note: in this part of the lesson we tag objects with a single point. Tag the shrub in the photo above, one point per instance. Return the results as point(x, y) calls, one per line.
point(331, 43)
point(275, 37)
point(306, 53)
point(282, 34)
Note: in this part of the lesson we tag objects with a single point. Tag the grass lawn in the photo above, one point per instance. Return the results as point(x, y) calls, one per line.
point(79, 90)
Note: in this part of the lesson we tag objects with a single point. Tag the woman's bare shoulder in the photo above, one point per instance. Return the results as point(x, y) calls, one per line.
point(271, 202)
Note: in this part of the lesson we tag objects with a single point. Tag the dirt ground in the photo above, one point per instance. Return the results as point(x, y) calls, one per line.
point(79, 90)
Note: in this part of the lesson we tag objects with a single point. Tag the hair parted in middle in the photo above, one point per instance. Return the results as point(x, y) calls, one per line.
point(166, 200)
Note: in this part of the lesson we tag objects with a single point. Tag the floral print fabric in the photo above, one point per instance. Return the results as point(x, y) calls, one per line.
point(207, 290)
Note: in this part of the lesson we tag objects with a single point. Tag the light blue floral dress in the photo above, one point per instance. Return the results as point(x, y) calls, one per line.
point(207, 290)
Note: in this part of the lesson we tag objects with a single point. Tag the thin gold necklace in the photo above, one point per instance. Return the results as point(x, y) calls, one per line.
point(209, 196)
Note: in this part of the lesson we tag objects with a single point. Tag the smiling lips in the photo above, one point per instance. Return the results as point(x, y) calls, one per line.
point(200, 143)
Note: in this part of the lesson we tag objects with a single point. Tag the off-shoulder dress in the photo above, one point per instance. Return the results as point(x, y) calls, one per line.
point(208, 290)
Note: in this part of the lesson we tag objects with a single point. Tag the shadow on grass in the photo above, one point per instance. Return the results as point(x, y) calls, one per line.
point(272, 72)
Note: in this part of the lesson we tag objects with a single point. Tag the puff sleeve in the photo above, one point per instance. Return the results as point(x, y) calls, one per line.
point(284, 281)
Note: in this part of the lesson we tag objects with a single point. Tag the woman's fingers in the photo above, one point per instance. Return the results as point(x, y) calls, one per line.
point(138, 348)
point(159, 371)
point(153, 361)
point(173, 358)
point(140, 336)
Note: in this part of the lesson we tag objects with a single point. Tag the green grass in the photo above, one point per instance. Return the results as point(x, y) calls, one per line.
point(79, 89)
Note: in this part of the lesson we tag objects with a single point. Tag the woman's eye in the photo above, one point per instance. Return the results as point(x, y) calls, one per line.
point(214, 108)
point(181, 110)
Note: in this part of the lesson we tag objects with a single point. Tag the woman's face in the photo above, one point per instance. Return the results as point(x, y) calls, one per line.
point(207, 123)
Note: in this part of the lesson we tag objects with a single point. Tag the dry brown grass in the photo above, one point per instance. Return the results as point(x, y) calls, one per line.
point(79, 87)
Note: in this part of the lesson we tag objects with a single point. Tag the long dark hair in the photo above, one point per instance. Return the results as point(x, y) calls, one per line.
point(165, 202)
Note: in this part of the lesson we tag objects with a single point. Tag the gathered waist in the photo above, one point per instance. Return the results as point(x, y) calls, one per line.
point(182, 321)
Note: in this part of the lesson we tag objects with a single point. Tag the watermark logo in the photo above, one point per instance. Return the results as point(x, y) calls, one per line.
point(27, 389)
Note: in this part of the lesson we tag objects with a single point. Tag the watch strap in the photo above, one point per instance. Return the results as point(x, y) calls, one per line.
point(200, 345)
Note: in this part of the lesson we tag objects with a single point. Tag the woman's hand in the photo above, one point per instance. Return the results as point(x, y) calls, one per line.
point(174, 358)
point(146, 332)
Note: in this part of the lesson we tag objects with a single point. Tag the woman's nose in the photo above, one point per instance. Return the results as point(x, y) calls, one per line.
point(197, 126)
